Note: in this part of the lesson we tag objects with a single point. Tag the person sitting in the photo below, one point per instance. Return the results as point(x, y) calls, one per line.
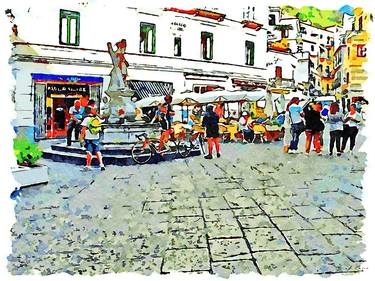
point(244, 126)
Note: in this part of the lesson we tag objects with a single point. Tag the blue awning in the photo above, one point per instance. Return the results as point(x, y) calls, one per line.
point(66, 78)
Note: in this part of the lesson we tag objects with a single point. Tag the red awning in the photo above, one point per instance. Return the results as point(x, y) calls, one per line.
point(252, 24)
point(188, 12)
point(199, 13)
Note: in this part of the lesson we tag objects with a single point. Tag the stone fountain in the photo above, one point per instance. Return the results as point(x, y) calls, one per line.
point(120, 126)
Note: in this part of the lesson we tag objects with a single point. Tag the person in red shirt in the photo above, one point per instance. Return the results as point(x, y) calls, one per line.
point(219, 110)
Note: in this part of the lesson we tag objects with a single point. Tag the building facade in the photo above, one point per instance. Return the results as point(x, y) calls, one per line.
point(169, 51)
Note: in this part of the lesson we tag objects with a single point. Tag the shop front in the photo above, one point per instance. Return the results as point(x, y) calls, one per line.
point(54, 95)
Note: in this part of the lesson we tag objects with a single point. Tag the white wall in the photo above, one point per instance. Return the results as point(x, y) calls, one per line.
point(124, 22)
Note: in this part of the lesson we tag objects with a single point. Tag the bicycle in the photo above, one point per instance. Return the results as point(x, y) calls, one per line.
point(146, 147)
point(194, 141)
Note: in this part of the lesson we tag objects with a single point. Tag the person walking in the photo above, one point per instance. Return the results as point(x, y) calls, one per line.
point(76, 114)
point(211, 123)
point(297, 124)
point(91, 126)
point(352, 120)
point(287, 131)
point(335, 126)
point(314, 128)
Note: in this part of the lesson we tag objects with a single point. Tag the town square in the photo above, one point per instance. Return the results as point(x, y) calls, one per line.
point(188, 138)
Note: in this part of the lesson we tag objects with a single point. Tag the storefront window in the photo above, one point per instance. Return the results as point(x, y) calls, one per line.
point(207, 40)
point(147, 38)
point(69, 28)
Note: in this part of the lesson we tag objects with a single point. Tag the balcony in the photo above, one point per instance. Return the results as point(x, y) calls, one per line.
point(283, 83)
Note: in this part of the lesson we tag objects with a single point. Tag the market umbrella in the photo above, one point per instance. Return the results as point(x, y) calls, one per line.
point(220, 98)
point(188, 102)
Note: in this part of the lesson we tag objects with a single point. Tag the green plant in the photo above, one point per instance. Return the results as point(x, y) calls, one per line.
point(27, 153)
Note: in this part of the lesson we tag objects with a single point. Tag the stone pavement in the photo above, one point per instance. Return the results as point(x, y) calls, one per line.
point(253, 210)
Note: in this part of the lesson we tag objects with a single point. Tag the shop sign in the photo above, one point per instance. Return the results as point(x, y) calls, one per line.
point(178, 26)
point(67, 89)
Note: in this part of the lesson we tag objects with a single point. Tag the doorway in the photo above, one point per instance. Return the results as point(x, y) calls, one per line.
point(58, 115)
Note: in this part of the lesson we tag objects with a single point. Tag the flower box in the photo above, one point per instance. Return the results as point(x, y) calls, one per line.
point(28, 176)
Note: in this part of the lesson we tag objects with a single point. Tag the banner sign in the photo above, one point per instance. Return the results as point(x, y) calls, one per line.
point(67, 89)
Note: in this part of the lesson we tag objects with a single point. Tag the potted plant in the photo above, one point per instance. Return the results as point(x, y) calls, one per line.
point(28, 172)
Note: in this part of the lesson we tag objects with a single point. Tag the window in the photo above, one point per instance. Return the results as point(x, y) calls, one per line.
point(207, 40)
point(249, 53)
point(278, 72)
point(177, 46)
point(347, 78)
point(147, 38)
point(361, 50)
point(69, 28)
point(271, 20)
point(312, 48)
point(200, 89)
point(327, 71)
point(348, 51)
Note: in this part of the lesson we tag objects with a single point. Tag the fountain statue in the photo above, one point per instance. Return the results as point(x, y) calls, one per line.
point(120, 106)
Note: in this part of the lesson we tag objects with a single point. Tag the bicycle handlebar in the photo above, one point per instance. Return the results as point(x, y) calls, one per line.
point(141, 135)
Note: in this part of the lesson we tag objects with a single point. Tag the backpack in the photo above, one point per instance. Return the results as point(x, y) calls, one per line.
point(94, 125)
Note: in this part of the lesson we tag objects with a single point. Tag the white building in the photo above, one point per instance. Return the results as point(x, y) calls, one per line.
point(289, 69)
point(61, 55)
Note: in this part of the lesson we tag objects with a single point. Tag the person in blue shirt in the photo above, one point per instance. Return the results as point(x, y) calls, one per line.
point(297, 124)
point(76, 113)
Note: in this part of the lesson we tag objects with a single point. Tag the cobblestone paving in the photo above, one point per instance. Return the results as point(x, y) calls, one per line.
point(253, 210)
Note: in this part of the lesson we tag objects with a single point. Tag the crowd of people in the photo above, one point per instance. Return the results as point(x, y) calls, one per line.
point(310, 120)
point(313, 119)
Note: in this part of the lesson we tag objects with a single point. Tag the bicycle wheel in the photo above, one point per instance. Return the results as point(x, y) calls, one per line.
point(141, 154)
point(184, 147)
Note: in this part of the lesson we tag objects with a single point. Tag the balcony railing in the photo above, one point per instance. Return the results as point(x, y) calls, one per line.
point(282, 83)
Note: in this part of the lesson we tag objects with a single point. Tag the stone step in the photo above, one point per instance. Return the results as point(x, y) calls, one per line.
point(106, 149)
point(79, 158)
